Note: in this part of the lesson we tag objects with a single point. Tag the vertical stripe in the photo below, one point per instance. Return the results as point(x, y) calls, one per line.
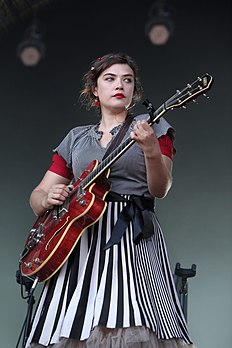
point(108, 284)
point(113, 286)
point(58, 325)
point(120, 300)
point(77, 325)
point(136, 313)
point(124, 291)
point(87, 324)
point(52, 308)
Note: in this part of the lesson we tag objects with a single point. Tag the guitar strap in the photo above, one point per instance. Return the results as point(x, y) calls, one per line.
point(118, 138)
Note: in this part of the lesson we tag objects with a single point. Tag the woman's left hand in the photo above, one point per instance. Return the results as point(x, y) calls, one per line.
point(144, 135)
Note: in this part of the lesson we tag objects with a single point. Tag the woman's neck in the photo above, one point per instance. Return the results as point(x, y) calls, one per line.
point(111, 120)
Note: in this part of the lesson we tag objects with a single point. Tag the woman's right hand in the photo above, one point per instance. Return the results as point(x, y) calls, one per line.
point(56, 195)
point(51, 191)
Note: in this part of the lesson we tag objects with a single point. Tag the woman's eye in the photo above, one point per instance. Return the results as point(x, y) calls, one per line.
point(112, 78)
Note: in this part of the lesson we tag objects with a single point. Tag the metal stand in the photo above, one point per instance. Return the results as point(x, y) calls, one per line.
point(181, 282)
point(30, 285)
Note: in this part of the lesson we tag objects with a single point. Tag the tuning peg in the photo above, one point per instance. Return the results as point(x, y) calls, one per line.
point(184, 107)
point(205, 95)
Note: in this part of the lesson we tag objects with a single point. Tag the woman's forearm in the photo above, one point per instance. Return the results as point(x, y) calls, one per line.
point(38, 201)
point(159, 174)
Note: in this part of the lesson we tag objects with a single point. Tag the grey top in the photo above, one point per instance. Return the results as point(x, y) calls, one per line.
point(127, 174)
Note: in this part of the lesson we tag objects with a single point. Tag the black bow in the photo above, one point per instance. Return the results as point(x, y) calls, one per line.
point(138, 211)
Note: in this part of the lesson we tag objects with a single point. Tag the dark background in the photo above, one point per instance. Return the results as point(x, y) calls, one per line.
point(40, 104)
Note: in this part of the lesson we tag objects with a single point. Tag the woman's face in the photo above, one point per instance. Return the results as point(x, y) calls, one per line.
point(115, 87)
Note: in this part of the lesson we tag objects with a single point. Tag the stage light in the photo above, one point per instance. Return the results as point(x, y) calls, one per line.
point(31, 49)
point(159, 27)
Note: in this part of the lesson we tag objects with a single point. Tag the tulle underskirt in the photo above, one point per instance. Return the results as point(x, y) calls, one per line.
point(134, 337)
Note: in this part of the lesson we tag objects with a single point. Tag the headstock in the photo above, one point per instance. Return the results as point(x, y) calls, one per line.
point(190, 92)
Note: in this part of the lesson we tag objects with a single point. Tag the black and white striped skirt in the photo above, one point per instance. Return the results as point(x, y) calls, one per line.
point(128, 285)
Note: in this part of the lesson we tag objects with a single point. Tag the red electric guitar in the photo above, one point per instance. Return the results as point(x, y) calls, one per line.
point(55, 234)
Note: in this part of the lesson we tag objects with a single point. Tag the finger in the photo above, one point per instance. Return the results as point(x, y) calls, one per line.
point(57, 194)
point(133, 135)
point(54, 202)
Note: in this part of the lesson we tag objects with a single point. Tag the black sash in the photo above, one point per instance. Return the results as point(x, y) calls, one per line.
point(138, 211)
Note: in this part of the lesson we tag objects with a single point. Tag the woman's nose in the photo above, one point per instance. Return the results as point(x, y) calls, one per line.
point(119, 84)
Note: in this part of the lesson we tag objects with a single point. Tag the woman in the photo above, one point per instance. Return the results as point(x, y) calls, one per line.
point(116, 288)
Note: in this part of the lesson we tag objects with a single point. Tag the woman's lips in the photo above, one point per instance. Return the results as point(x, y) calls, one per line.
point(119, 95)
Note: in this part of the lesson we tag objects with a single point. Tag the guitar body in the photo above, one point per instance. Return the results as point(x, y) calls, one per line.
point(56, 233)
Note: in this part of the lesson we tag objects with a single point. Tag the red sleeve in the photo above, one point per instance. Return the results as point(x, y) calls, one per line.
point(59, 166)
point(166, 146)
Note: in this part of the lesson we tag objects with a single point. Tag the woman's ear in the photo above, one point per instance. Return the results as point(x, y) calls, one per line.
point(94, 91)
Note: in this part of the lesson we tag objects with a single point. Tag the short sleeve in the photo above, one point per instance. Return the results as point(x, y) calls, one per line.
point(166, 145)
point(65, 148)
point(59, 166)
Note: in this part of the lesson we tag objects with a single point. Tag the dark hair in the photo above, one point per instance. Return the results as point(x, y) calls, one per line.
point(97, 67)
